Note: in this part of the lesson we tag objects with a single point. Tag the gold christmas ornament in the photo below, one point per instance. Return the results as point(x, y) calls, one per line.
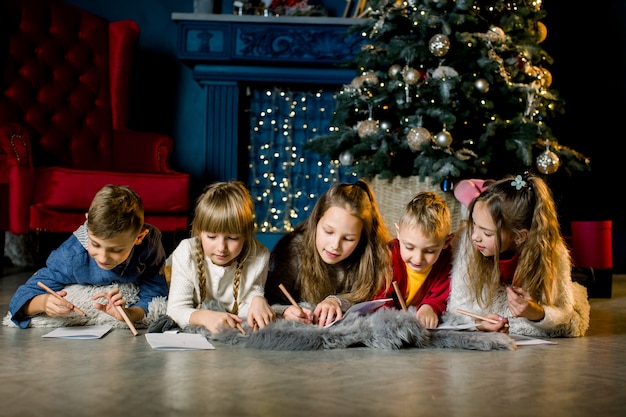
point(496, 34)
point(542, 32)
point(546, 77)
point(369, 77)
point(439, 45)
point(417, 137)
point(357, 82)
point(367, 127)
point(548, 162)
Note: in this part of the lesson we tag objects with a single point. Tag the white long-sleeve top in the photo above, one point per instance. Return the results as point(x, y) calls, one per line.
point(184, 293)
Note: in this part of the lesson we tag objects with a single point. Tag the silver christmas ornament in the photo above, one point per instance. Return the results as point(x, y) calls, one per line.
point(394, 70)
point(346, 158)
point(443, 138)
point(482, 85)
point(417, 137)
point(367, 127)
point(385, 125)
point(439, 45)
point(411, 76)
point(548, 162)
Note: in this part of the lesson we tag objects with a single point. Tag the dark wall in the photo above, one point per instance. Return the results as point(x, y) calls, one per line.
point(588, 45)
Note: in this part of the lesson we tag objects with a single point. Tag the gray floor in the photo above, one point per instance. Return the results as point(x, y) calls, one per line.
point(121, 375)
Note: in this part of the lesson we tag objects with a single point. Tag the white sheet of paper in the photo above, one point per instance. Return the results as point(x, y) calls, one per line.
point(178, 341)
point(527, 340)
point(466, 326)
point(80, 332)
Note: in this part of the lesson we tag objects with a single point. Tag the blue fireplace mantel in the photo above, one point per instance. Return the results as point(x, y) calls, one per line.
point(226, 52)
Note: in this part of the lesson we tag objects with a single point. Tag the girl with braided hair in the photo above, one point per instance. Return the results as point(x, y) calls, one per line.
point(513, 266)
point(218, 274)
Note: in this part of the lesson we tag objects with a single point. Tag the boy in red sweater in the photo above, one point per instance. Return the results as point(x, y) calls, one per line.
point(422, 258)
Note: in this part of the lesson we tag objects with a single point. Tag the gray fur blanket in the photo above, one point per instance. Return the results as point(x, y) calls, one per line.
point(385, 329)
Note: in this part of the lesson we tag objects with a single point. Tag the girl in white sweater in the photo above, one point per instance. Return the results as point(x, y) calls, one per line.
point(219, 274)
point(512, 264)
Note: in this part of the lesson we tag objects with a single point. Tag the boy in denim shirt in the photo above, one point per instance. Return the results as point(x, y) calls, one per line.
point(112, 246)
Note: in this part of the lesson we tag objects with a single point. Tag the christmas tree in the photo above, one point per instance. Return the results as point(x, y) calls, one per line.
point(449, 89)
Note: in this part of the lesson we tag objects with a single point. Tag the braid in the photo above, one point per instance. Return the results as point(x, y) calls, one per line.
point(236, 283)
point(201, 266)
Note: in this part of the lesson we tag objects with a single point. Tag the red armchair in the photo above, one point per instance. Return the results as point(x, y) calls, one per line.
point(64, 133)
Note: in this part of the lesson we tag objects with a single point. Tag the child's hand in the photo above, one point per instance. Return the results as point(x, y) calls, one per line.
point(522, 304)
point(327, 311)
point(501, 325)
point(303, 315)
point(53, 307)
point(427, 316)
point(214, 321)
point(113, 297)
point(260, 313)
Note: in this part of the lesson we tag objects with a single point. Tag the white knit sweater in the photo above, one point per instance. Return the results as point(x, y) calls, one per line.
point(568, 317)
point(184, 294)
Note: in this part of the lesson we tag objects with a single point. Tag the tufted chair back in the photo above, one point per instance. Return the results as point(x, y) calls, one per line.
point(64, 105)
point(57, 85)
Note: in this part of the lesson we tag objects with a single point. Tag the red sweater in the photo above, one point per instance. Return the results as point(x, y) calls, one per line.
point(436, 287)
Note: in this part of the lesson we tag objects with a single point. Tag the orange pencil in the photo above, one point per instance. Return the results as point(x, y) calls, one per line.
point(127, 320)
point(58, 297)
point(476, 316)
point(290, 298)
point(399, 294)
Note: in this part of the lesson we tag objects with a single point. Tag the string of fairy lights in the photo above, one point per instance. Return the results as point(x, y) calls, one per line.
point(285, 180)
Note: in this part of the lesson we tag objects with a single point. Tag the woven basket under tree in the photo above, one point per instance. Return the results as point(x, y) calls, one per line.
point(393, 194)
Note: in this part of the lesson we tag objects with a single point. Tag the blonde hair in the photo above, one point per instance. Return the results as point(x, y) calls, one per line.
point(115, 209)
point(515, 204)
point(368, 268)
point(223, 207)
point(429, 213)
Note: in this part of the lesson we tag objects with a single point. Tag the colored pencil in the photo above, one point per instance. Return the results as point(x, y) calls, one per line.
point(399, 294)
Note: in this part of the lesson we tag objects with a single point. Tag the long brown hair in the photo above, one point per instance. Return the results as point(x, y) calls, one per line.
point(368, 268)
point(517, 203)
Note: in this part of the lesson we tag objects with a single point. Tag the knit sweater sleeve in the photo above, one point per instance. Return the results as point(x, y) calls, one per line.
point(184, 288)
